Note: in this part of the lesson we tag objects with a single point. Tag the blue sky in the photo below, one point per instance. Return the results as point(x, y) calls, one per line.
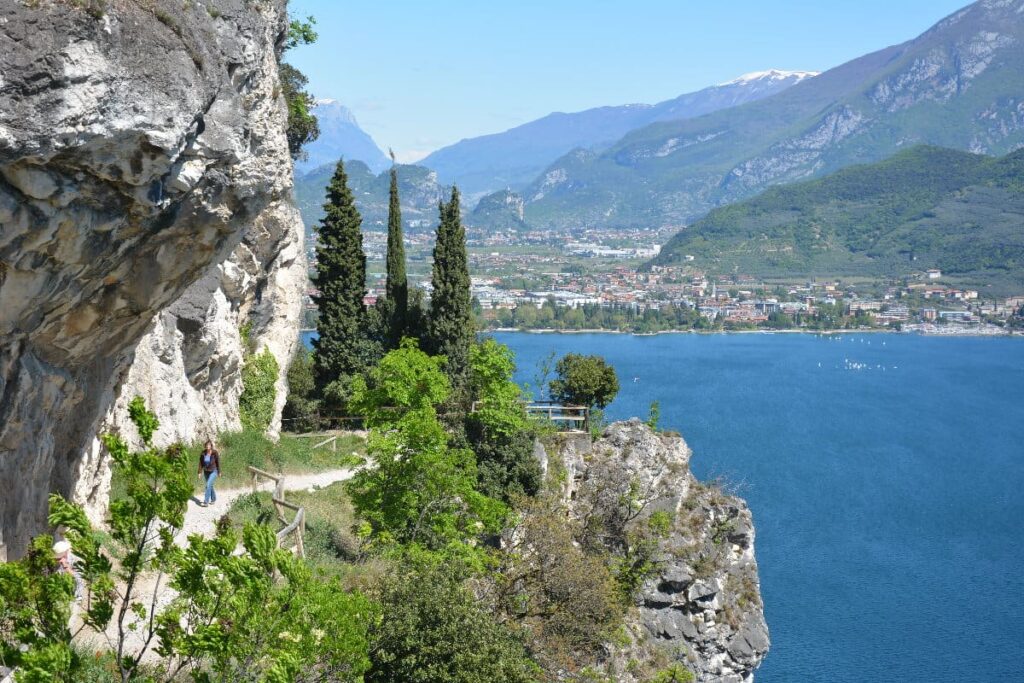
point(421, 75)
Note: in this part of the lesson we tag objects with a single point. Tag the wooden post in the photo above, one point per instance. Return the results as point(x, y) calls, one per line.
point(279, 495)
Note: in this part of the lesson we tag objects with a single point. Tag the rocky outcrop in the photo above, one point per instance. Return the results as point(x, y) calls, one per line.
point(702, 603)
point(145, 217)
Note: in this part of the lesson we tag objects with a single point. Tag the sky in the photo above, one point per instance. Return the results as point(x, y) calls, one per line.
point(420, 75)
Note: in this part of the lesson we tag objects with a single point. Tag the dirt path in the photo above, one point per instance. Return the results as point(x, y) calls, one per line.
point(203, 521)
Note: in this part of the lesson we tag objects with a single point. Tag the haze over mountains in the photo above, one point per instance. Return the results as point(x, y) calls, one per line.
point(340, 136)
point(515, 157)
point(418, 188)
point(958, 85)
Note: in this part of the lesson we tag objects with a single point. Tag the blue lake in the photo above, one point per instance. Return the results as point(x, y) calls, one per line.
point(889, 504)
point(886, 478)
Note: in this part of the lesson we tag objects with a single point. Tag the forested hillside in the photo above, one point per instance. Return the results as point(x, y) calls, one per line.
point(926, 207)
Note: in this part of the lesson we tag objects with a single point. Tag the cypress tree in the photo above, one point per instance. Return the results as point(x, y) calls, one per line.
point(340, 350)
point(397, 293)
point(450, 326)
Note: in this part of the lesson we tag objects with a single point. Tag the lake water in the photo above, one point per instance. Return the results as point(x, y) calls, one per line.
point(886, 478)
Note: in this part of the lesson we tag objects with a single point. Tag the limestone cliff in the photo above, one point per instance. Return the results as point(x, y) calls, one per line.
point(702, 604)
point(145, 217)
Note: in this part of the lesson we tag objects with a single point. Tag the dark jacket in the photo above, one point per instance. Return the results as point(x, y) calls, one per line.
point(213, 465)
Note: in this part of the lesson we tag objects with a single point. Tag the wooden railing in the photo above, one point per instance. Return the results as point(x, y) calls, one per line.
point(297, 526)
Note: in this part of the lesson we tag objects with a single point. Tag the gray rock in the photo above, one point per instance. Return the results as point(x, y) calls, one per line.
point(145, 215)
point(704, 599)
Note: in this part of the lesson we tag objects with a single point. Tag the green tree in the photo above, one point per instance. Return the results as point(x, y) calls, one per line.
point(450, 328)
point(433, 630)
point(584, 380)
point(421, 491)
point(303, 126)
point(259, 615)
point(397, 292)
point(342, 349)
point(262, 615)
point(301, 407)
point(497, 427)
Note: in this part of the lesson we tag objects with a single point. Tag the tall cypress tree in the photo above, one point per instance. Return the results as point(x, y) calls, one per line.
point(340, 350)
point(397, 293)
point(451, 328)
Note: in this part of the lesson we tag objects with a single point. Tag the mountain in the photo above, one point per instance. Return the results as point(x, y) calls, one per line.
point(502, 210)
point(418, 187)
point(340, 137)
point(959, 85)
point(926, 207)
point(515, 157)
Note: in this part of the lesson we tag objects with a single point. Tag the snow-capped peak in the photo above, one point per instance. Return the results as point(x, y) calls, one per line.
point(771, 75)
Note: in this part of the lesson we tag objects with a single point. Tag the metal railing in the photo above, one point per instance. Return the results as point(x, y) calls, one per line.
point(297, 526)
point(575, 418)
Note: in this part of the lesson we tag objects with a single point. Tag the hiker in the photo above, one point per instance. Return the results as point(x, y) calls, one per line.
point(66, 564)
point(209, 467)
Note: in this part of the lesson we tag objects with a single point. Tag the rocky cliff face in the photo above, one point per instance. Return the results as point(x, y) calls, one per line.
point(145, 216)
point(702, 605)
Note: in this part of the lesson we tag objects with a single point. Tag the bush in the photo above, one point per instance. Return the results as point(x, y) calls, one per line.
point(259, 379)
point(433, 630)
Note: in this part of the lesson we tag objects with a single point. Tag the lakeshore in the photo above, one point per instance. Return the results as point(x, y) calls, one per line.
point(937, 331)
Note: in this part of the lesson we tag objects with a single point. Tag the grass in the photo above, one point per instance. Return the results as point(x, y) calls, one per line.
point(290, 455)
point(332, 546)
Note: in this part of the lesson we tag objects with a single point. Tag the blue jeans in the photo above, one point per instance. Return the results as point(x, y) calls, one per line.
point(211, 495)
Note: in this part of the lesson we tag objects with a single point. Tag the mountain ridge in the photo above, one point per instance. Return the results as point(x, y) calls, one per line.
point(957, 85)
point(512, 158)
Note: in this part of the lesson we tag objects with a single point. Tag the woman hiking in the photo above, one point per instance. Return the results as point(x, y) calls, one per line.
point(209, 467)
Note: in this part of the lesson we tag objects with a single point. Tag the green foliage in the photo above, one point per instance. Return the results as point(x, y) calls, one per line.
point(35, 601)
point(674, 673)
point(397, 289)
point(421, 491)
point(259, 380)
point(433, 630)
point(584, 380)
point(300, 409)
point(924, 207)
point(654, 415)
point(497, 428)
point(301, 33)
point(261, 615)
point(565, 596)
point(303, 126)
point(342, 349)
point(451, 329)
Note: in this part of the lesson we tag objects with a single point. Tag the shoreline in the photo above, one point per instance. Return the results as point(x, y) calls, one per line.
point(921, 333)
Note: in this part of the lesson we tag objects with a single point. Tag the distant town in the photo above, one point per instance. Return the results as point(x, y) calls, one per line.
point(596, 280)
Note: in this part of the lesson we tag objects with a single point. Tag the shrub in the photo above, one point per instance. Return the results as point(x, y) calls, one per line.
point(259, 379)
point(434, 630)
